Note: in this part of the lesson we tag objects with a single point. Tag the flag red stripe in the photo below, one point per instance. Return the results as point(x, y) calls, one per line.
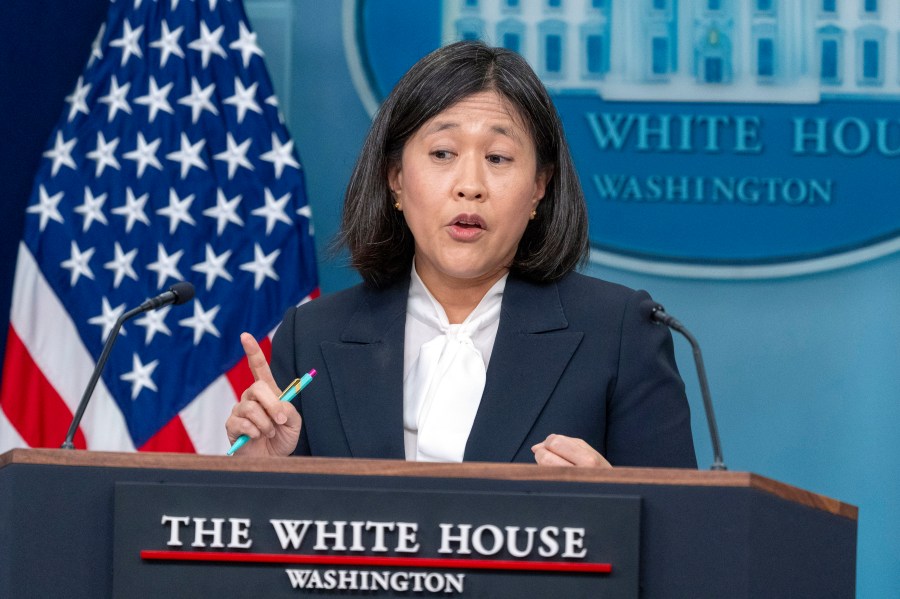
point(30, 402)
point(172, 437)
point(361, 560)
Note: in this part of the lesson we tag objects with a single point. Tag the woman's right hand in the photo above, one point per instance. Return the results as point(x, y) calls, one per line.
point(272, 425)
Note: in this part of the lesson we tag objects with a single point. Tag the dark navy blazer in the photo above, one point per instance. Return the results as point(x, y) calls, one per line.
point(574, 357)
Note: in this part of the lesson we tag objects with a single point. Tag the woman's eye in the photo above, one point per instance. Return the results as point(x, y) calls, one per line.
point(441, 154)
point(497, 159)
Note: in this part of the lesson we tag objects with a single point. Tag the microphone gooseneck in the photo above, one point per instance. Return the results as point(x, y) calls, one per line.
point(658, 314)
point(178, 293)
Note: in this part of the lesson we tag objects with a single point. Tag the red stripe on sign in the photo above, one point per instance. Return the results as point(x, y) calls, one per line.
point(350, 560)
point(30, 402)
point(173, 437)
point(240, 376)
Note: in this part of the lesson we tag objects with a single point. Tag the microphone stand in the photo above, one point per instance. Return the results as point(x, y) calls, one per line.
point(659, 314)
point(177, 294)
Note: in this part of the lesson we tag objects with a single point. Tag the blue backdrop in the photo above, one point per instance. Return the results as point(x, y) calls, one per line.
point(803, 369)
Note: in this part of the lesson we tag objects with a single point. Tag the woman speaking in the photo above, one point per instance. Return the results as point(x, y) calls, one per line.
point(471, 337)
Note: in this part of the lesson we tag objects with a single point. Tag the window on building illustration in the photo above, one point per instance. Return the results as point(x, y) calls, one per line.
point(512, 3)
point(512, 41)
point(829, 5)
point(660, 4)
point(660, 55)
point(598, 3)
point(765, 57)
point(714, 4)
point(829, 60)
point(713, 70)
point(764, 5)
point(594, 47)
point(554, 3)
point(870, 5)
point(472, 3)
point(870, 59)
point(553, 53)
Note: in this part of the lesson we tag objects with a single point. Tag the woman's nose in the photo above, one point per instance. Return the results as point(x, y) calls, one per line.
point(470, 179)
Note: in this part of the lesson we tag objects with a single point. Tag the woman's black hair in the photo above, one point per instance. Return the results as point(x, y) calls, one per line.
point(381, 245)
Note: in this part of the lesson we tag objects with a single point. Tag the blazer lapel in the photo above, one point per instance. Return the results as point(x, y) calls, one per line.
point(366, 367)
point(530, 353)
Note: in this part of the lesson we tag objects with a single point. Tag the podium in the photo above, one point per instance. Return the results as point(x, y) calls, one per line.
point(95, 524)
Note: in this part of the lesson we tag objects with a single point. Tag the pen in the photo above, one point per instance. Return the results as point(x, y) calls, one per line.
point(288, 394)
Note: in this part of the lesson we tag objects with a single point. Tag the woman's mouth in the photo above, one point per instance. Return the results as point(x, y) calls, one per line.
point(466, 227)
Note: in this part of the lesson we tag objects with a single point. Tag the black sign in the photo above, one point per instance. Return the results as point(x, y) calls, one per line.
point(202, 540)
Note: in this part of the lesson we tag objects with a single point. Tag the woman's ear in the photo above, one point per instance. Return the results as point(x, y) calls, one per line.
point(395, 180)
point(541, 180)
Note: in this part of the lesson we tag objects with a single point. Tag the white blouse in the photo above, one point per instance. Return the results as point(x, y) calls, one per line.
point(444, 370)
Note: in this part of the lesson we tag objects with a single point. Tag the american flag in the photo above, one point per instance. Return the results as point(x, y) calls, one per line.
point(170, 162)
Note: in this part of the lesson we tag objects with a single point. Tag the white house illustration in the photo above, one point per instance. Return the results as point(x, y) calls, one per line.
point(795, 51)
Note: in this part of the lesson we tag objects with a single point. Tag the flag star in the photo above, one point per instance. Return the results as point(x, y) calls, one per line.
point(78, 99)
point(79, 263)
point(92, 208)
point(235, 155)
point(96, 52)
point(47, 207)
point(107, 319)
point(154, 322)
point(201, 321)
point(273, 101)
point(225, 211)
point(280, 155)
point(129, 42)
point(166, 265)
point(121, 264)
point(61, 154)
point(168, 43)
point(273, 211)
point(214, 266)
point(208, 43)
point(246, 43)
point(261, 266)
point(188, 155)
point(178, 211)
point(144, 154)
point(104, 154)
point(140, 376)
point(212, 4)
point(198, 99)
point(116, 98)
point(243, 99)
point(156, 99)
point(133, 210)
point(306, 212)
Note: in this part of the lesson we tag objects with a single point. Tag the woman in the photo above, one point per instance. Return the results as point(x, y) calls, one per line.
point(471, 338)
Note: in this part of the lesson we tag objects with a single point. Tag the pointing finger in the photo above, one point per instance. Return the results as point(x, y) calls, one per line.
point(256, 359)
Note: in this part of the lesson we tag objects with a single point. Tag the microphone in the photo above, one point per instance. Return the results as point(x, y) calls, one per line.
point(177, 294)
point(658, 314)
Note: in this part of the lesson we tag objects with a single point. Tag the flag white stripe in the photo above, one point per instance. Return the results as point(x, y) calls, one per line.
point(9, 436)
point(55, 346)
point(204, 418)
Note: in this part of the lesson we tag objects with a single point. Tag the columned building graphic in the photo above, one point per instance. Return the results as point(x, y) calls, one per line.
point(795, 51)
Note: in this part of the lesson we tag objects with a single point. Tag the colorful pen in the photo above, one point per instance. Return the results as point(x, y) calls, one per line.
point(288, 394)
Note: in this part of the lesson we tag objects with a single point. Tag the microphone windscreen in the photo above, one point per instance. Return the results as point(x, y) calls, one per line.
point(183, 291)
point(649, 308)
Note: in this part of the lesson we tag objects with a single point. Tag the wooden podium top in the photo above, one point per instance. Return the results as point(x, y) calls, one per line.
point(399, 468)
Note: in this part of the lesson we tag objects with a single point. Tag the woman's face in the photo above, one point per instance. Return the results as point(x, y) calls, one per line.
point(467, 184)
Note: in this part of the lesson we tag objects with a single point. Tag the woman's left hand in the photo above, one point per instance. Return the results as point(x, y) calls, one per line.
point(559, 450)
